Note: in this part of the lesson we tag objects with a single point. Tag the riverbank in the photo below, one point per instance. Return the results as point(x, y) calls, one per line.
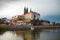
point(4, 27)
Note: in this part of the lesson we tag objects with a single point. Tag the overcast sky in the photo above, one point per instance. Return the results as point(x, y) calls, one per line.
point(8, 8)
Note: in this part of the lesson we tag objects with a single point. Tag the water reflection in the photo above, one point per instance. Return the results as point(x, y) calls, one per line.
point(9, 35)
point(49, 36)
point(46, 34)
point(35, 35)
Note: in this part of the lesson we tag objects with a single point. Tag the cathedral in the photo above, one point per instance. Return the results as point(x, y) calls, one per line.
point(27, 16)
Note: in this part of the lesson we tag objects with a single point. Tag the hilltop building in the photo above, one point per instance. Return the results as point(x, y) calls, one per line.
point(30, 18)
point(26, 17)
point(35, 15)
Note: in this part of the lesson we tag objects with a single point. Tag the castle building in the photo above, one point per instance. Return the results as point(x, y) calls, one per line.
point(27, 16)
point(35, 15)
point(31, 15)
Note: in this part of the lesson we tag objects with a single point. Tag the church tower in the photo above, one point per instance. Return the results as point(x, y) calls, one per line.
point(25, 10)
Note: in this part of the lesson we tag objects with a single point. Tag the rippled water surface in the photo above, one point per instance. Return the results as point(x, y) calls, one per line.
point(29, 35)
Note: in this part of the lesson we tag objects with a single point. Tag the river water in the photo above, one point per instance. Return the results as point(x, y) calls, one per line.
point(31, 35)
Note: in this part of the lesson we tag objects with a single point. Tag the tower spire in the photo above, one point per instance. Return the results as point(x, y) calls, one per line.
point(25, 10)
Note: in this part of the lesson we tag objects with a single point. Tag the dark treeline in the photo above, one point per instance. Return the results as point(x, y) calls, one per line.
point(2, 20)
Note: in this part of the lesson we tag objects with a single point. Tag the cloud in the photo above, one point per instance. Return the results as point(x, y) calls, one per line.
point(44, 7)
point(4, 2)
point(12, 8)
point(9, 0)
